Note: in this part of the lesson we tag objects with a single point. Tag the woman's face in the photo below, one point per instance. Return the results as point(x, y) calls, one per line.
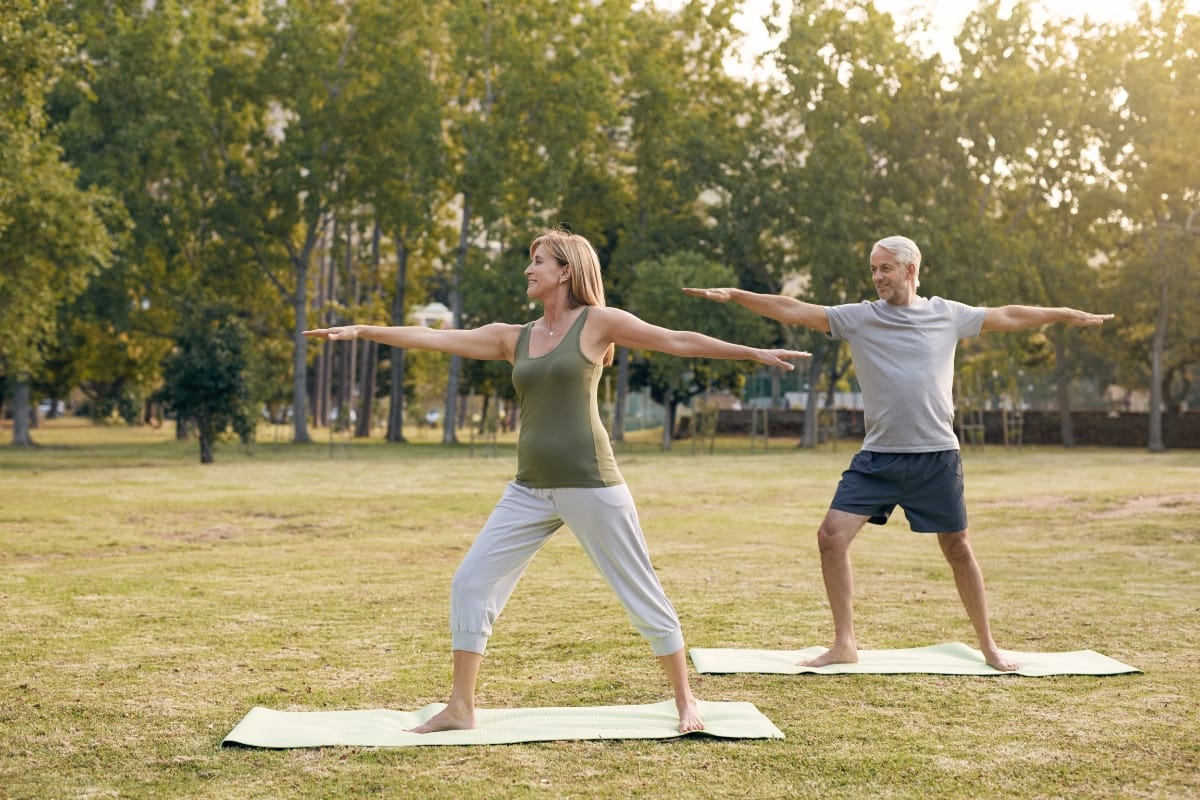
point(544, 274)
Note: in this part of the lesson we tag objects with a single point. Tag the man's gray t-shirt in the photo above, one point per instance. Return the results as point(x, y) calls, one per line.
point(904, 358)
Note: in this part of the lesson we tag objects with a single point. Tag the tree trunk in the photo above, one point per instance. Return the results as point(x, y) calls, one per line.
point(348, 368)
point(1158, 346)
point(1063, 388)
point(831, 387)
point(323, 387)
point(812, 406)
point(483, 415)
point(366, 390)
point(300, 357)
point(460, 264)
point(395, 426)
point(301, 261)
point(206, 453)
point(618, 431)
point(21, 436)
point(668, 419)
point(395, 430)
point(370, 350)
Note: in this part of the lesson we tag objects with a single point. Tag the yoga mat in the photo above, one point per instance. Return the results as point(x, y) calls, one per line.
point(263, 727)
point(954, 658)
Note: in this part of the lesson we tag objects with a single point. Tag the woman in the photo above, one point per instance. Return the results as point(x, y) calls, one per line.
point(566, 473)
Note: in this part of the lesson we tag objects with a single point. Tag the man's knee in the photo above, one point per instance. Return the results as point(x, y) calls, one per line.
point(956, 547)
point(837, 531)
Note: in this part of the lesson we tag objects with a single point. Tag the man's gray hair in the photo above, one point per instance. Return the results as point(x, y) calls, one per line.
point(905, 250)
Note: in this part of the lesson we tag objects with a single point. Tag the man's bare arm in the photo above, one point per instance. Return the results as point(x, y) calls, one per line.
point(1017, 318)
point(787, 310)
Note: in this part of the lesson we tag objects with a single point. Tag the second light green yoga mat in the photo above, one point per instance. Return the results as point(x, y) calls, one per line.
point(954, 658)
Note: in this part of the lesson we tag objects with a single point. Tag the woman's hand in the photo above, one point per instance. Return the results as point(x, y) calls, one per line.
point(342, 333)
point(776, 358)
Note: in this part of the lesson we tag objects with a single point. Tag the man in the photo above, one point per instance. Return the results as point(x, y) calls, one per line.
point(903, 351)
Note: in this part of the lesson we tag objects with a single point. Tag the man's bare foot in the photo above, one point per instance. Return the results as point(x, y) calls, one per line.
point(446, 720)
point(689, 716)
point(997, 660)
point(838, 654)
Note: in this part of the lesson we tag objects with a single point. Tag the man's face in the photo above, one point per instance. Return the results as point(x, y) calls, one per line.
point(893, 282)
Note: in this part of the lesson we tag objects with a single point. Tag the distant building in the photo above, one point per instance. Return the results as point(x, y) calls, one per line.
point(434, 315)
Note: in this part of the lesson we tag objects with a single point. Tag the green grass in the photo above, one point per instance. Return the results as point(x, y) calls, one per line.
point(150, 602)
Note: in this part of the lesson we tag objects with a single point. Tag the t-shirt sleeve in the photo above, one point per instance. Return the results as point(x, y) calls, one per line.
point(968, 320)
point(844, 319)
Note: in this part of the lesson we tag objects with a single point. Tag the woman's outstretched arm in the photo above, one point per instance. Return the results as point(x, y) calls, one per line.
point(627, 330)
point(494, 342)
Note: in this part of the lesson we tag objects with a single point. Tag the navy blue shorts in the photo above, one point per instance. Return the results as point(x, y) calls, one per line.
point(928, 486)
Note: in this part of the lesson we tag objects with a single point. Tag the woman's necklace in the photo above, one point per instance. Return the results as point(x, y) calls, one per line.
point(546, 323)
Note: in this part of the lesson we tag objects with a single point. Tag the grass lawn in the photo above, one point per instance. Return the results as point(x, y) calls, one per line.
point(149, 602)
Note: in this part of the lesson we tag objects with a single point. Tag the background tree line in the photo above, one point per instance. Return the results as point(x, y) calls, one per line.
point(189, 185)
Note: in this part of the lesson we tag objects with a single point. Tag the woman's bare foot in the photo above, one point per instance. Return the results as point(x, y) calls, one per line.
point(838, 654)
point(447, 720)
point(997, 660)
point(689, 716)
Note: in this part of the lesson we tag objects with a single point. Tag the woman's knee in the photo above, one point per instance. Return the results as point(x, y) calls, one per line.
point(466, 584)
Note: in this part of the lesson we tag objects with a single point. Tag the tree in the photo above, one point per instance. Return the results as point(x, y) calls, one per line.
point(54, 235)
point(166, 101)
point(205, 380)
point(1153, 154)
point(399, 161)
point(1039, 189)
point(655, 296)
point(527, 89)
point(678, 145)
point(850, 175)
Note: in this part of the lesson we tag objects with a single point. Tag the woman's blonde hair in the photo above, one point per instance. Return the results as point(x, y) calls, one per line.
point(576, 253)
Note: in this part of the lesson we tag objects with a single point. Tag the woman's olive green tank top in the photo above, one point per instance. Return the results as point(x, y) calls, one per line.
point(562, 442)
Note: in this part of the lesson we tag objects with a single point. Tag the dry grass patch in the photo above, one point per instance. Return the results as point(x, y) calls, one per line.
point(150, 602)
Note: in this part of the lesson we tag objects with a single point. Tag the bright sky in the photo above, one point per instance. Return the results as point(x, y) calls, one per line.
point(948, 16)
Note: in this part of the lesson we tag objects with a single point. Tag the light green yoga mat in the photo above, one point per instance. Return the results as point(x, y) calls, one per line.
point(263, 727)
point(942, 659)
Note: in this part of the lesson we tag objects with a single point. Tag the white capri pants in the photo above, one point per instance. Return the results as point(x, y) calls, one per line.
point(604, 521)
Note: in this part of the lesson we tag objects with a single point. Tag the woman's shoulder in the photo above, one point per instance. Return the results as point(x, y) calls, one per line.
point(606, 314)
point(507, 332)
point(505, 328)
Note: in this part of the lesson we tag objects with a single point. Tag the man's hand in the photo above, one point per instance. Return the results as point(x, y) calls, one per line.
point(1084, 319)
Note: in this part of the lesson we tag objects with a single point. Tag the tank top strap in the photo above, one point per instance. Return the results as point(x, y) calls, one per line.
point(576, 330)
point(522, 350)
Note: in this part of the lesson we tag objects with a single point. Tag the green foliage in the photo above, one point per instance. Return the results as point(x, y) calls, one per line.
point(655, 296)
point(205, 380)
point(54, 236)
point(244, 140)
point(1155, 288)
point(494, 291)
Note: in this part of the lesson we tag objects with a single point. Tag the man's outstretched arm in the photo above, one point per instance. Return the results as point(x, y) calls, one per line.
point(787, 310)
point(1017, 318)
